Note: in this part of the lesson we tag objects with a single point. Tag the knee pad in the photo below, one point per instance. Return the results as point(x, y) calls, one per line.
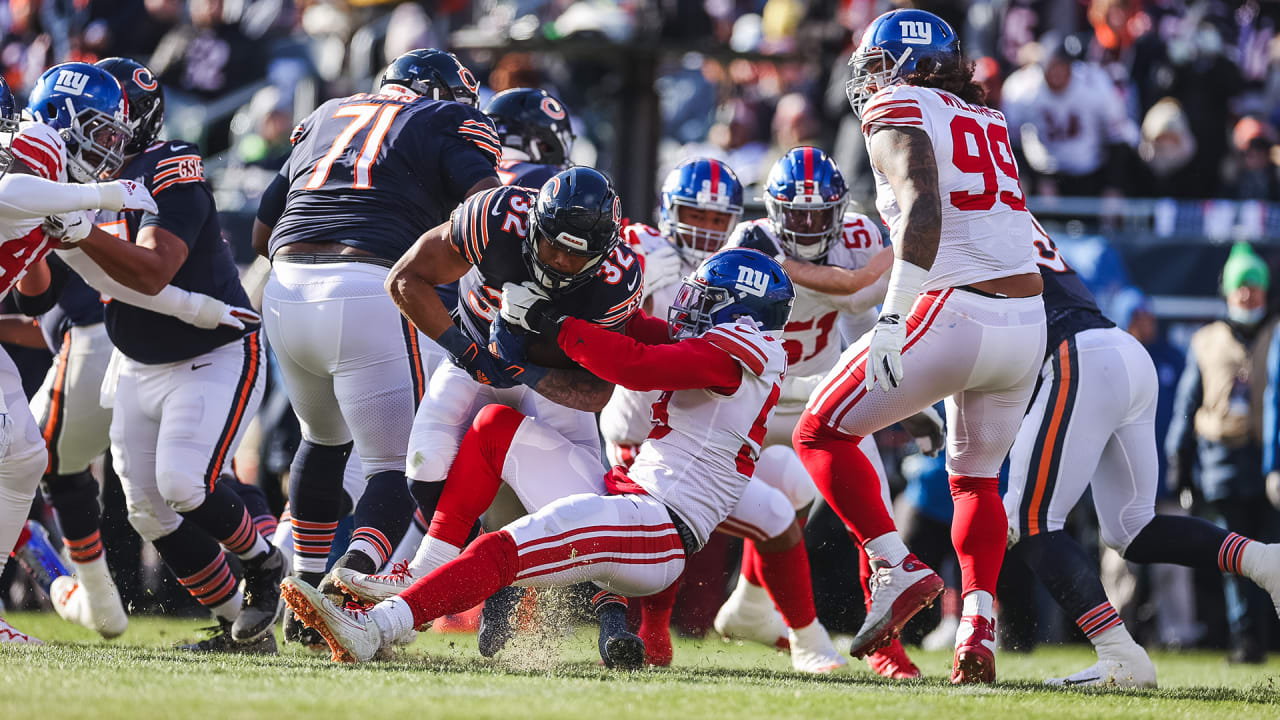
point(148, 525)
point(781, 469)
point(431, 454)
point(495, 426)
point(182, 491)
point(780, 514)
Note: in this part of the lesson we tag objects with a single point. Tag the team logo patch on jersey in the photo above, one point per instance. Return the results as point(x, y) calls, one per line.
point(916, 32)
point(751, 281)
point(70, 82)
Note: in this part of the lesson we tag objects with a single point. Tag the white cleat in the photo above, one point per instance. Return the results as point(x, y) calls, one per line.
point(749, 614)
point(352, 635)
point(898, 592)
point(90, 599)
point(1269, 578)
point(812, 650)
point(375, 588)
point(8, 634)
point(1132, 672)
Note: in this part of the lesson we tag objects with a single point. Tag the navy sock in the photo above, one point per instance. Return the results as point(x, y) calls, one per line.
point(383, 513)
point(1178, 540)
point(223, 516)
point(316, 501)
point(199, 563)
point(75, 500)
point(1068, 572)
point(427, 495)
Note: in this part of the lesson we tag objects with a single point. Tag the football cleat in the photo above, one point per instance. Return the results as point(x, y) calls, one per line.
point(898, 592)
point(749, 614)
point(220, 641)
point(101, 612)
point(891, 661)
point(496, 629)
point(369, 588)
point(975, 658)
point(351, 634)
point(1269, 578)
point(9, 634)
point(620, 649)
point(262, 607)
point(296, 632)
point(1135, 671)
point(812, 651)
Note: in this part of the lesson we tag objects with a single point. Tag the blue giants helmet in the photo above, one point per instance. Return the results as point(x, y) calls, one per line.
point(8, 124)
point(891, 49)
point(87, 107)
point(729, 285)
point(701, 184)
point(805, 196)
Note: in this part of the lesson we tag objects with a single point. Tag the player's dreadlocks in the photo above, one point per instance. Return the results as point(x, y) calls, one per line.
point(954, 77)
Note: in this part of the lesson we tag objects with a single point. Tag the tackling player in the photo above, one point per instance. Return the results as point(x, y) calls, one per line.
point(962, 320)
point(25, 202)
point(182, 394)
point(721, 378)
point(1091, 425)
point(533, 128)
point(367, 175)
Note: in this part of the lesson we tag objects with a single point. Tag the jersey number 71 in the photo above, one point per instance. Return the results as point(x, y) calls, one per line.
point(360, 116)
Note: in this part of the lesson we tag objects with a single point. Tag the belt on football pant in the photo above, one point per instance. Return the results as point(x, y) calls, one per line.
point(331, 259)
point(687, 540)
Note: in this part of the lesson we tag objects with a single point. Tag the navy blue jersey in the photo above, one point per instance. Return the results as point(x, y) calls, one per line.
point(526, 174)
point(174, 174)
point(1069, 307)
point(68, 302)
point(489, 230)
point(376, 171)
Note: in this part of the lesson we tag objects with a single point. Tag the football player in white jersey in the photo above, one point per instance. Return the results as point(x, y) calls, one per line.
point(962, 320)
point(721, 378)
point(25, 202)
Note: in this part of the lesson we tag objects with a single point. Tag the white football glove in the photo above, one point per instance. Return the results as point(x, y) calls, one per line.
point(211, 313)
point(798, 388)
point(662, 267)
point(70, 227)
point(519, 300)
point(884, 353)
point(121, 195)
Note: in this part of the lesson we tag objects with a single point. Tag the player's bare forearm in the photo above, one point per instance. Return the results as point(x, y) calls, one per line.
point(575, 388)
point(36, 281)
point(145, 266)
point(261, 238)
point(833, 280)
point(22, 331)
point(905, 156)
point(412, 281)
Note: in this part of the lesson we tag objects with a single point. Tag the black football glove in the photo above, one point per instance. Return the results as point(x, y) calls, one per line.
point(469, 355)
point(759, 237)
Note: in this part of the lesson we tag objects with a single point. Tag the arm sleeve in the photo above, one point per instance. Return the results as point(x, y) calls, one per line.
point(27, 196)
point(686, 365)
point(183, 211)
point(647, 329)
point(271, 206)
point(1180, 443)
point(36, 305)
point(176, 302)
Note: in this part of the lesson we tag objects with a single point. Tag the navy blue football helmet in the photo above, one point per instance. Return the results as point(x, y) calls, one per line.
point(535, 123)
point(805, 196)
point(8, 124)
point(87, 107)
point(892, 48)
point(728, 286)
point(702, 184)
point(434, 74)
point(576, 212)
point(145, 97)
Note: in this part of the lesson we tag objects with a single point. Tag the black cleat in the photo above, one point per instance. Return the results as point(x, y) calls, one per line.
point(495, 620)
point(297, 632)
point(220, 641)
point(262, 606)
point(620, 649)
point(357, 561)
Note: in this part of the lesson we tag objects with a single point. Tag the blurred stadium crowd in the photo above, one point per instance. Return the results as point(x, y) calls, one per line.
point(1112, 100)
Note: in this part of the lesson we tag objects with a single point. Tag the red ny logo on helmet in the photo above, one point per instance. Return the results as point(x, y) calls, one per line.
point(143, 78)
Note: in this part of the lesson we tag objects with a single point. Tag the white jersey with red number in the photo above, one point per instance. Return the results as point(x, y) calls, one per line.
point(812, 335)
point(22, 241)
point(626, 419)
point(703, 447)
point(986, 228)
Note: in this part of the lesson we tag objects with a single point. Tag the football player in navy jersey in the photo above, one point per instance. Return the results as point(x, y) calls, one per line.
point(1091, 425)
point(367, 175)
point(183, 394)
point(560, 241)
point(533, 128)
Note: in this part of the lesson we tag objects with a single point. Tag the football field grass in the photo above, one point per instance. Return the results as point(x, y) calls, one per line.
point(442, 676)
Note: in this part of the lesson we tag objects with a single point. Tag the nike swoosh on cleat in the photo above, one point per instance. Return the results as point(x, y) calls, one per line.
point(1069, 681)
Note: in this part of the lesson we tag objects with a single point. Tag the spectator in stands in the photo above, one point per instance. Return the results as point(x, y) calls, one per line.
point(1166, 150)
point(209, 57)
point(1070, 123)
point(1218, 425)
point(130, 28)
point(1253, 172)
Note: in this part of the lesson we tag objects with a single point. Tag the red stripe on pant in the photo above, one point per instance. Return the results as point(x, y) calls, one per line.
point(611, 541)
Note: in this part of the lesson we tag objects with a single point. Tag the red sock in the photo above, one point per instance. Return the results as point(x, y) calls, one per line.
point(786, 576)
point(655, 625)
point(486, 566)
point(476, 474)
point(751, 563)
point(979, 531)
point(844, 476)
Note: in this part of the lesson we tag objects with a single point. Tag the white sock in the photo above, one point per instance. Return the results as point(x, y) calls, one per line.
point(752, 594)
point(229, 609)
point(978, 602)
point(432, 553)
point(1253, 562)
point(1115, 642)
point(259, 547)
point(94, 575)
point(393, 618)
point(888, 547)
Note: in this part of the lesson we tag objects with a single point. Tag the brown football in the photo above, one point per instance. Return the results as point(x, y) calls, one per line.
point(546, 352)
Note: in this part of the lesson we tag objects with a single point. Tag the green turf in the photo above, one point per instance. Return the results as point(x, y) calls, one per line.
point(441, 676)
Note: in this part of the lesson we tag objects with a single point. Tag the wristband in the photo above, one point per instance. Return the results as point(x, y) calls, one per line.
point(905, 281)
point(457, 344)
